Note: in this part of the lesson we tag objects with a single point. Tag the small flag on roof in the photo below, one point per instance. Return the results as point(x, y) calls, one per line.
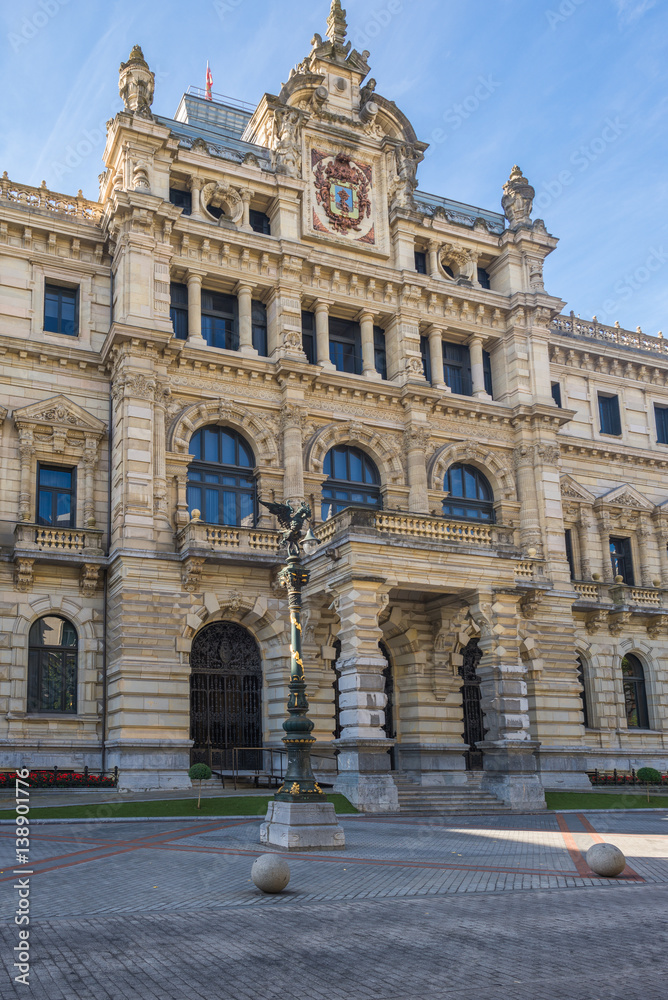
point(209, 82)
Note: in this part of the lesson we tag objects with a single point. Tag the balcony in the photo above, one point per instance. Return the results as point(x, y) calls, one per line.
point(418, 529)
point(214, 541)
point(618, 594)
point(57, 544)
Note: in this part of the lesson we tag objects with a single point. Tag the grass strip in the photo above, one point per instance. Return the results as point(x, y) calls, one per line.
point(225, 805)
point(601, 800)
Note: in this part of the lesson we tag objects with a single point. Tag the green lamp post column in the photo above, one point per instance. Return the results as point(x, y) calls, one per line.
point(299, 784)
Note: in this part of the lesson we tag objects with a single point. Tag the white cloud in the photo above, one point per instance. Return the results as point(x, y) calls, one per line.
point(629, 11)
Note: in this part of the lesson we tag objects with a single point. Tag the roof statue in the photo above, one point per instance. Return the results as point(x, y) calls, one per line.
point(517, 200)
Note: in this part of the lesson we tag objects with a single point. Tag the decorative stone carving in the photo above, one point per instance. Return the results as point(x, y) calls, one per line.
point(617, 621)
point(595, 620)
point(517, 200)
point(191, 574)
point(88, 578)
point(656, 626)
point(23, 574)
point(343, 192)
point(136, 83)
point(462, 262)
point(407, 157)
point(287, 142)
point(223, 196)
point(530, 603)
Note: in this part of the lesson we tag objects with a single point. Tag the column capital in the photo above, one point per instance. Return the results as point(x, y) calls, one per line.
point(242, 287)
point(195, 276)
point(321, 305)
point(365, 314)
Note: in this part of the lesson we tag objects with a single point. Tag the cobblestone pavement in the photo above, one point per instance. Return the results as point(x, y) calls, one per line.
point(500, 907)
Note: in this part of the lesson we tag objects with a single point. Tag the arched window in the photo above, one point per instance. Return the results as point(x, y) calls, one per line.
point(583, 690)
point(52, 665)
point(470, 495)
point(635, 697)
point(220, 478)
point(353, 481)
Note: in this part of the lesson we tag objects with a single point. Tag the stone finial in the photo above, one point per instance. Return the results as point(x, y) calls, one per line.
point(136, 83)
point(337, 25)
point(517, 200)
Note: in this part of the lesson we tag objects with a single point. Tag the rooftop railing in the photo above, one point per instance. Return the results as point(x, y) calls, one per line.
point(573, 326)
point(25, 196)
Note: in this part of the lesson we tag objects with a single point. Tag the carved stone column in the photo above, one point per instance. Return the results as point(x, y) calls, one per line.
point(368, 353)
point(89, 462)
point(436, 358)
point(661, 529)
point(245, 298)
point(433, 260)
point(195, 338)
point(523, 458)
point(246, 195)
point(477, 367)
point(644, 532)
point(159, 451)
point(604, 535)
point(364, 762)
point(181, 478)
point(26, 452)
point(292, 420)
point(416, 439)
point(322, 334)
point(585, 526)
point(195, 189)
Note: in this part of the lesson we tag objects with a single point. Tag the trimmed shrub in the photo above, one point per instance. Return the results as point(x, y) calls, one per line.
point(199, 772)
point(650, 775)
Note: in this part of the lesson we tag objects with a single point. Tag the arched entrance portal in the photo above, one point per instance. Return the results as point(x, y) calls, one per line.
point(474, 729)
point(225, 695)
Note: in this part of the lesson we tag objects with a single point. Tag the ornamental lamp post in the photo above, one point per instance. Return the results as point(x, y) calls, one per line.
point(300, 815)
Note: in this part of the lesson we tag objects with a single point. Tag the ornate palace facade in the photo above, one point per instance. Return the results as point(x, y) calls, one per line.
point(263, 303)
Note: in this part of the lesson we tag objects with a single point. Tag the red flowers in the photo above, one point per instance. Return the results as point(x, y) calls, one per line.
point(60, 779)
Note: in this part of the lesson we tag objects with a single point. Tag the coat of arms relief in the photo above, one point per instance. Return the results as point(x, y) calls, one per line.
point(343, 196)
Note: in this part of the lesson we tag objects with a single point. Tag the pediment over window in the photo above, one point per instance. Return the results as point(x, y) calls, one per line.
point(625, 496)
point(572, 490)
point(61, 413)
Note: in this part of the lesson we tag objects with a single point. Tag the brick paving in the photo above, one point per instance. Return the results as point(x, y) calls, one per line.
point(497, 907)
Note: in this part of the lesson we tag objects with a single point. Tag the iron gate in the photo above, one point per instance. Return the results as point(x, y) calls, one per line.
point(474, 728)
point(225, 697)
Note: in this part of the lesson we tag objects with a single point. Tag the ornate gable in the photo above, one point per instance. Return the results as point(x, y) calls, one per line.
point(625, 496)
point(572, 490)
point(59, 412)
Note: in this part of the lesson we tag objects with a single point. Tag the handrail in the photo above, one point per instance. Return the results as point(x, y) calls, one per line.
point(272, 751)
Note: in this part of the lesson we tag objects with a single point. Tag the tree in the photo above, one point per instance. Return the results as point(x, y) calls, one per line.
point(201, 772)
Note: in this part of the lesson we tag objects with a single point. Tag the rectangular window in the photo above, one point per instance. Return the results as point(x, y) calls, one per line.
point(345, 346)
point(259, 320)
point(259, 222)
point(380, 357)
point(622, 563)
point(487, 372)
point(55, 496)
point(457, 368)
point(661, 416)
point(61, 310)
point(220, 320)
point(426, 357)
point(483, 278)
point(608, 410)
point(308, 336)
point(556, 393)
point(182, 199)
point(568, 535)
point(178, 309)
point(420, 262)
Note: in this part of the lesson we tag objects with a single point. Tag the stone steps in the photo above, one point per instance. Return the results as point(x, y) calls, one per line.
point(426, 800)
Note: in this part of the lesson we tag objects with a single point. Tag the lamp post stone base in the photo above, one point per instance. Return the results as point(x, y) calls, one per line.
point(300, 826)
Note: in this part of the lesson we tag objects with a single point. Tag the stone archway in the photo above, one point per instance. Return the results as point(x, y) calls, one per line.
point(225, 697)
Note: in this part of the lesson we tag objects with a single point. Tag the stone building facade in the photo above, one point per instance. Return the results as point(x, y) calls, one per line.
point(263, 303)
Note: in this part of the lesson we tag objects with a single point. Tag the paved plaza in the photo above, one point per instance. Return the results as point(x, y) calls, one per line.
point(500, 908)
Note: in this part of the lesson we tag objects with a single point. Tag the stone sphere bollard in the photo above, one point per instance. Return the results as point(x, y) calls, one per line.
point(270, 873)
point(606, 859)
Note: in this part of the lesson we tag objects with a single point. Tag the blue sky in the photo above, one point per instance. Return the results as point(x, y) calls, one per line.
point(574, 91)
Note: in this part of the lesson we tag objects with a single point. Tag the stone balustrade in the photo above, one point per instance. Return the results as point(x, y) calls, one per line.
point(573, 326)
point(227, 539)
point(36, 538)
point(25, 196)
point(619, 593)
point(418, 527)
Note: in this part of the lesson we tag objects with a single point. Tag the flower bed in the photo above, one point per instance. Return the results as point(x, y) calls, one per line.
point(617, 778)
point(53, 778)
